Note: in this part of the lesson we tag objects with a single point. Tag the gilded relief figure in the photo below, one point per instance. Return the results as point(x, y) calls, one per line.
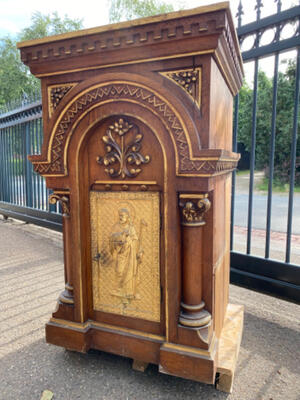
point(126, 251)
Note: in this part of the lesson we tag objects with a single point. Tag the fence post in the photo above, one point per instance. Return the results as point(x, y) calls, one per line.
point(28, 167)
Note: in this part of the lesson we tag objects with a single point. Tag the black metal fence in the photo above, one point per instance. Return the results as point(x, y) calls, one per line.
point(262, 273)
point(23, 193)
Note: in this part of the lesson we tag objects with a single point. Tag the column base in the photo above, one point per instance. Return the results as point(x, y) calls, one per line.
point(194, 316)
point(66, 296)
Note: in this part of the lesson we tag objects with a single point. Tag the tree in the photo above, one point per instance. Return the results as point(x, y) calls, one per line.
point(130, 9)
point(284, 123)
point(47, 25)
point(15, 79)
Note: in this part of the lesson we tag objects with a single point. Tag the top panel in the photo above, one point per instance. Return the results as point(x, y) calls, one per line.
point(203, 30)
point(127, 24)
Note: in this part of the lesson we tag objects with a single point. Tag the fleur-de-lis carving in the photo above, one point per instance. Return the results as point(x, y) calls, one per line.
point(121, 152)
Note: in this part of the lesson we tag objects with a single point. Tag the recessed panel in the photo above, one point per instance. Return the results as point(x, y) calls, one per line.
point(125, 252)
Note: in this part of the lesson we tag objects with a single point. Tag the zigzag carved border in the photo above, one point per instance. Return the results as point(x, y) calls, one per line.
point(186, 165)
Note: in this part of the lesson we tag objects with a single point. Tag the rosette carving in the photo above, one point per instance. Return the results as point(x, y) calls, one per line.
point(122, 145)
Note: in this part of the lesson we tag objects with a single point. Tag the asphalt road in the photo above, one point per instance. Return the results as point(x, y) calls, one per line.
point(259, 214)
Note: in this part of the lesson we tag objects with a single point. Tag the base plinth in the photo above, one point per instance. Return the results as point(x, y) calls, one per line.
point(174, 359)
point(229, 346)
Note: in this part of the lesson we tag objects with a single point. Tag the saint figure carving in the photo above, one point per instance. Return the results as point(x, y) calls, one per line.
point(125, 248)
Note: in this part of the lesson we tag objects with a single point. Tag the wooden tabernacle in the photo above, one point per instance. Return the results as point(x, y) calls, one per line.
point(137, 149)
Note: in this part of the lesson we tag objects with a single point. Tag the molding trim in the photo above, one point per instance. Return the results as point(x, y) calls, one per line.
point(213, 162)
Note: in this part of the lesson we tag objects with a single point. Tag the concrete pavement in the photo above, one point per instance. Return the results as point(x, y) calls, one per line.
point(31, 277)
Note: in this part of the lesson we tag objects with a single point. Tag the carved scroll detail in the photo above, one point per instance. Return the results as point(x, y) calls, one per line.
point(124, 153)
point(193, 210)
point(63, 199)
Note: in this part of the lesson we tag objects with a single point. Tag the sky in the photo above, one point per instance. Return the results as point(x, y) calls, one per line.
point(15, 15)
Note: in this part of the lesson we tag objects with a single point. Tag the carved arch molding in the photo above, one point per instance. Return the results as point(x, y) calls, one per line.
point(101, 93)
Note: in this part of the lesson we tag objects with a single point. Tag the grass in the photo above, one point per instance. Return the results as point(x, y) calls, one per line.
point(276, 187)
point(262, 183)
point(242, 172)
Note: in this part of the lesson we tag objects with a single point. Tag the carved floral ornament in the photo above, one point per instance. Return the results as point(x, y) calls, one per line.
point(122, 156)
point(189, 80)
point(56, 94)
point(193, 208)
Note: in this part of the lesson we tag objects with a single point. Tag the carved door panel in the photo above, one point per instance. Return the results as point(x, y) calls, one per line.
point(126, 185)
point(126, 249)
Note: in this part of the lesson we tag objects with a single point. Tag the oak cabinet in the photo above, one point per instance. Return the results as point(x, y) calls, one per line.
point(137, 149)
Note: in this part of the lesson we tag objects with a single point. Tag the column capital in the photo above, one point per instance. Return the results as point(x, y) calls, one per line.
point(192, 208)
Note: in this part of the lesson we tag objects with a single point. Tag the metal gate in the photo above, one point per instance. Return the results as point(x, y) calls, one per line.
point(23, 193)
point(262, 273)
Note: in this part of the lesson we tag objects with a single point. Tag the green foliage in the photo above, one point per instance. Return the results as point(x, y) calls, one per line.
point(284, 123)
point(15, 79)
point(47, 25)
point(121, 10)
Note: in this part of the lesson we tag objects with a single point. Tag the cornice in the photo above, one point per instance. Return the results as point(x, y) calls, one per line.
point(125, 25)
point(185, 32)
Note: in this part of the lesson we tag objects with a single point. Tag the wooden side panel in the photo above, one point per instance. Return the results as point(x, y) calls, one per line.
point(220, 111)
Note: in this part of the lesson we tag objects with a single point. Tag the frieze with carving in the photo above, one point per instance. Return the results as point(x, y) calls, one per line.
point(186, 163)
point(123, 157)
point(166, 31)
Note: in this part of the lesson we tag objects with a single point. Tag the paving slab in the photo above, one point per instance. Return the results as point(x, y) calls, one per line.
point(31, 278)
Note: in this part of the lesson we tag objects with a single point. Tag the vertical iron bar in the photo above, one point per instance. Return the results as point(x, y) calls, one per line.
point(252, 157)
point(37, 175)
point(28, 167)
point(18, 164)
point(239, 13)
point(23, 135)
point(6, 194)
point(271, 160)
point(234, 148)
point(9, 163)
point(32, 140)
point(258, 6)
point(34, 174)
point(13, 163)
point(1, 166)
point(293, 161)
